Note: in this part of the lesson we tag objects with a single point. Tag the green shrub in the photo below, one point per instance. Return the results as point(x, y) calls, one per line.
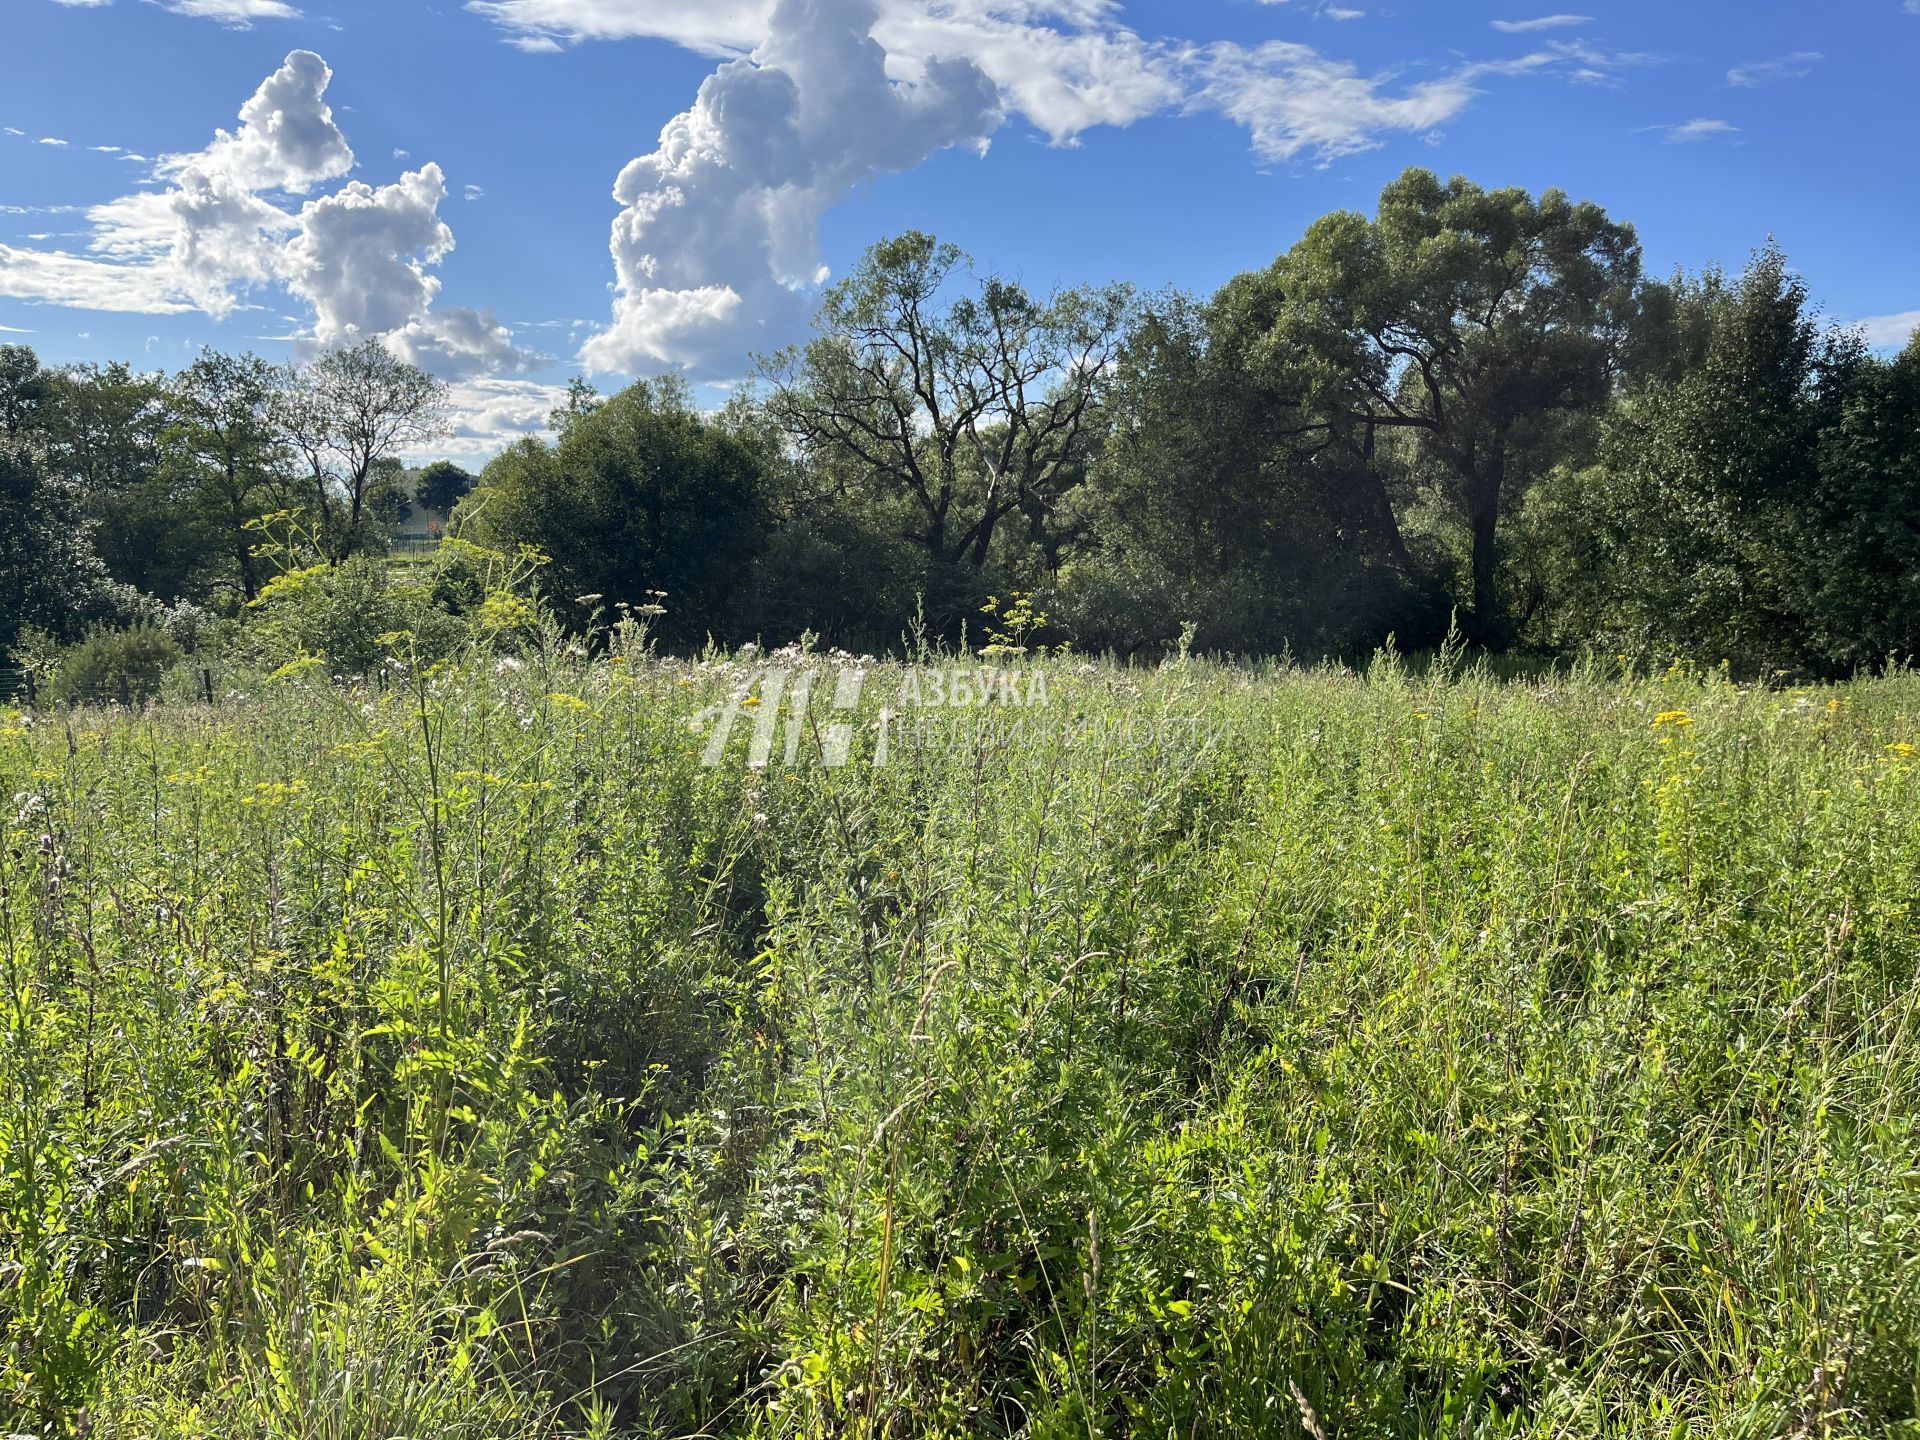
point(337, 612)
point(116, 666)
point(359, 615)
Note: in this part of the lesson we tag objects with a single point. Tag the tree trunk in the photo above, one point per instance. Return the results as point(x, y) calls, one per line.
point(1483, 505)
point(243, 549)
point(983, 542)
point(249, 579)
point(1381, 504)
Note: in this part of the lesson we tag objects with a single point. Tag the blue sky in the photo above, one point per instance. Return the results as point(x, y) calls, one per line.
point(444, 175)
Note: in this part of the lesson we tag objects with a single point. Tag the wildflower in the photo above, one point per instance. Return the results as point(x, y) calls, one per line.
point(1903, 750)
point(269, 795)
point(1678, 718)
point(296, 667)
point(503, 610)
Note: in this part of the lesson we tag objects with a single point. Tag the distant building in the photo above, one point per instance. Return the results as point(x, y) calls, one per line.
point(416, 525)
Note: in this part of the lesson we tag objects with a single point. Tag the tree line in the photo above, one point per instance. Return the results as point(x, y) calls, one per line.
point(1470, 409)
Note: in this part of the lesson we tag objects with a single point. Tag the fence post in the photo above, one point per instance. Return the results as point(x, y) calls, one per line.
point(206, 682)
point(33, 691)
point(126, 696)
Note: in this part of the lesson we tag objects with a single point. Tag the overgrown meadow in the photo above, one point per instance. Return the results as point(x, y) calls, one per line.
point(1205, 1052)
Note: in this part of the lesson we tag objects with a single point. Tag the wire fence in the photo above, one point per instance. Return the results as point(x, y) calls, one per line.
point(22, 689)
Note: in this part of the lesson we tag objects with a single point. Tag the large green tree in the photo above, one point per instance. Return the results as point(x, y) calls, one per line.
point(1208, 508)
point(963, 401)
point(1465, 319)
point(1862, 581)
point(441, 486)
point(1761, 506)
point(50, 577)
point(103, 429)
point(343, 415)
point(23, 390)
point(640, 494)
point(228, 450)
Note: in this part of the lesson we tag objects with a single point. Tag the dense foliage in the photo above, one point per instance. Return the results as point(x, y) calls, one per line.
point(1470, 408)
point(1200, 1052)
point(637, 497)
point(441, 1022)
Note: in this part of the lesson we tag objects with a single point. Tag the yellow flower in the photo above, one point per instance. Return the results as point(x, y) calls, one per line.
point(1903, 750)
point(567, 702)
point(503, 610)
point(1672, 717)
point(270, 794)
point(296, 667)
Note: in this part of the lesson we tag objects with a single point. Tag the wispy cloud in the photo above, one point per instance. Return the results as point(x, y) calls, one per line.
point(1694, 131)
point(1890, 332)
point(1596, 65)
point(1544, 22)
point(240, 14)
point(1796, 66)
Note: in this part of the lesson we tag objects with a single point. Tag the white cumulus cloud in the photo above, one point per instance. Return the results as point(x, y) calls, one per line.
point(361, 255)
point(55, 278)
point(239, 13)
point(715, 250)
point(718, 238)
point(462, 344)
point(223, 224)
point(489, 413)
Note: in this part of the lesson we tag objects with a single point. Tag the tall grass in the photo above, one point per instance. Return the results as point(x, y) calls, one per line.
point(1211, 1051)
